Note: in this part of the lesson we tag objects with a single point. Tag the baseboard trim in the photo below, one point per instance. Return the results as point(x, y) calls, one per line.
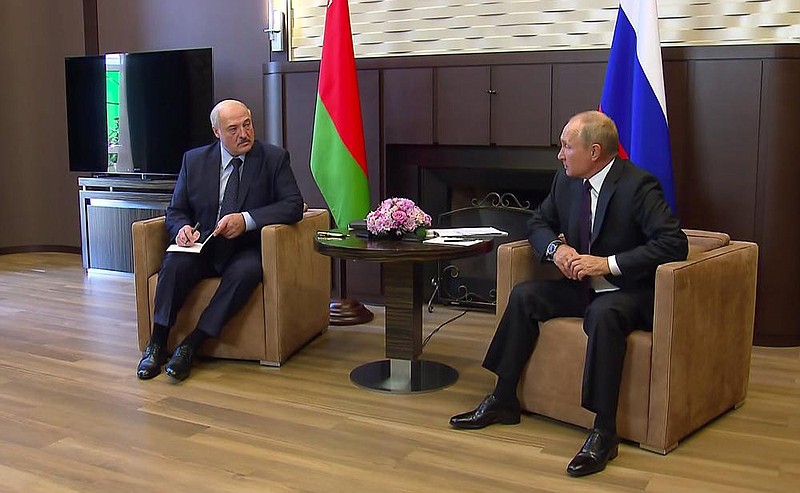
point(40, 249)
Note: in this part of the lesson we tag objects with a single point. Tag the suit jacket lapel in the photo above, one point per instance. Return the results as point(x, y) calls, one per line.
point(251, 164)
point(576, 196)
point(210, 185)
point(606, 192)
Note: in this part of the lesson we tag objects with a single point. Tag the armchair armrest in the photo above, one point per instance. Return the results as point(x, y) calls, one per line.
point(702, 339)
point(516, 263)
point(291, 266)
point(149, 246)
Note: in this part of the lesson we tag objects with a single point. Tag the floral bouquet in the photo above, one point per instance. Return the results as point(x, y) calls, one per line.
point(396, 217)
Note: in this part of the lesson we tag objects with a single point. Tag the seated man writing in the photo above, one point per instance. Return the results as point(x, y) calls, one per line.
point(606, 226)
point(229, 190)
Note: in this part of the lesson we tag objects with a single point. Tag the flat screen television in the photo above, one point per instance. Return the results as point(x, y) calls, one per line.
point(137, 113)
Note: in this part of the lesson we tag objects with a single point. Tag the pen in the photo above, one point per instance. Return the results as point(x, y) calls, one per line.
point(330, 234)
point(196, 227)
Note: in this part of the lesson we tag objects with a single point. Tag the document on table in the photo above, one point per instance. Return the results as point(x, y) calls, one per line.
point(468, 232)
point(452, 241)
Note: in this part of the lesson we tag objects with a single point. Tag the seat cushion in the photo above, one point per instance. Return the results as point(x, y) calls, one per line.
point(243, 337)
point(551, 381)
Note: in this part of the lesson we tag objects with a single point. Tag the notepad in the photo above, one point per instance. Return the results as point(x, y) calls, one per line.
point(196, 248)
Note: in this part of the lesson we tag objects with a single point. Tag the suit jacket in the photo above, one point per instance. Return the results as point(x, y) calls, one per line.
point(267, 190)
point(632, 221)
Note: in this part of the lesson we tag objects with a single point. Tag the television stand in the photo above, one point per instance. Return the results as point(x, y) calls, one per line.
point(135, 176)
point(108, 207)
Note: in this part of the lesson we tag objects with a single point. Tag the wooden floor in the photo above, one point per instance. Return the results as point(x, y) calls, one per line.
point(74, 417)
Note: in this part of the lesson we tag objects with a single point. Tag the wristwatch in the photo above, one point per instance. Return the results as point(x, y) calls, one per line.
point(551, 249)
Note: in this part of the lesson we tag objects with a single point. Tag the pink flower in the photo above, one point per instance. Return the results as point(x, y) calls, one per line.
point(397, 214)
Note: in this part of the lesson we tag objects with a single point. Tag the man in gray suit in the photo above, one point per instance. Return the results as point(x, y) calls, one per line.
point(606, 226)
point(225, 193)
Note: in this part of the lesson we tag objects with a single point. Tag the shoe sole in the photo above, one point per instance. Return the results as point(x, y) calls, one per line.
point(611, 457)
point(506, 421)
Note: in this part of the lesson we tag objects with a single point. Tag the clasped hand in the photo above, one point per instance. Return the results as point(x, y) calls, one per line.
point(578, 266)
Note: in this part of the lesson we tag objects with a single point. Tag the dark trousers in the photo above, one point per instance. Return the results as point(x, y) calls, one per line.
point(607, 321)
point(180, 273)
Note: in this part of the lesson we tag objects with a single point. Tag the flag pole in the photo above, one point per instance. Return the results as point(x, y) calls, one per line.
point(338, 152)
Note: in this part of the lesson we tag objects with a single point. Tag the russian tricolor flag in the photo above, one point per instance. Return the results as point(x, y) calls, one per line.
point(633, 94)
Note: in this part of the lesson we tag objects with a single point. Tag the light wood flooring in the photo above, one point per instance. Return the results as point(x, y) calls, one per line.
point(74, 417)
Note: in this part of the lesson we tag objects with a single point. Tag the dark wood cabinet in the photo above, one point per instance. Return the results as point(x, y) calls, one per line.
point(493, 105)
point(520, 105)
point(576, 87)
point(462, 105)
point(408, 106)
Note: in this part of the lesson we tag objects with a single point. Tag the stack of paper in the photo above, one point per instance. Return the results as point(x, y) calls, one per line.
point(452, 241)
point(468, 232)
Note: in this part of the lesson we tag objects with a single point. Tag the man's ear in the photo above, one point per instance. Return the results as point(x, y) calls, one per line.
point(216, 132)
point(597, 151)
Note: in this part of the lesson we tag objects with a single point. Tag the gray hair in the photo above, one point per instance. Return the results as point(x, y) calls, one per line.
point(215, 111)
point(598, 128)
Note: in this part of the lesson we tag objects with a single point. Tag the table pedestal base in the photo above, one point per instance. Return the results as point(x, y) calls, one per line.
point(404, 376)
point(349, 312)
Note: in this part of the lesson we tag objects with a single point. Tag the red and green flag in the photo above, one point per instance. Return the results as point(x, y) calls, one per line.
point(338, 155)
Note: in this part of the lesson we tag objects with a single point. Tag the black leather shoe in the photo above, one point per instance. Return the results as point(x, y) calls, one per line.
point(180, 364)
point(153, 359)
point(488, 412)
point(598, 449)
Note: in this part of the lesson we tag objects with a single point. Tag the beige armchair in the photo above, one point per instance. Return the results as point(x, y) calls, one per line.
point(288, 309)
point(693, 367)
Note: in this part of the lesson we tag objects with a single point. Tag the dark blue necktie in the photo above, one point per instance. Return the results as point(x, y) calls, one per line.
point(223, 248)
point(230, 199)
point(586, 217)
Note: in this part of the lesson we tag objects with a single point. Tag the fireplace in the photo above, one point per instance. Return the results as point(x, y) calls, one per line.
point(462, 186)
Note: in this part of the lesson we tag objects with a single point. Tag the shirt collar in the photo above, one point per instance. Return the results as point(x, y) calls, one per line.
point(599, 177)
point(225, 156)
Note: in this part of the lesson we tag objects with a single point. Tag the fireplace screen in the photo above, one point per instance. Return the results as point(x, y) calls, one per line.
point(472, 282)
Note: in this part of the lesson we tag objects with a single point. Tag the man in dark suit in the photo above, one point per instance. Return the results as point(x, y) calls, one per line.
point(607, 227)
point(231, 189)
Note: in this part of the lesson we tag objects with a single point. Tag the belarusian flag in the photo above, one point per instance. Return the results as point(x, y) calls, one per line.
point(338, 156)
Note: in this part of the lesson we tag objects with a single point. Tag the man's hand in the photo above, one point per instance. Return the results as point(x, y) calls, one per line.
point(230, 226)
point(583, 266)
point(187, 236)
point(563, 258)
point(576, 266)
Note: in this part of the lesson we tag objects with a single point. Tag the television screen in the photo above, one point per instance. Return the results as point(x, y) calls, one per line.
point(138, 112)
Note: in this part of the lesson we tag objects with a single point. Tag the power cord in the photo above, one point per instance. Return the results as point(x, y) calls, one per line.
point(442, 325)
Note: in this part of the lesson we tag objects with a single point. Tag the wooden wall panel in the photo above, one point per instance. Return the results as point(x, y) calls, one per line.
point(778, 206)
point(408, 106)
point(462, 105)
point(576, 87)
point(719, 176)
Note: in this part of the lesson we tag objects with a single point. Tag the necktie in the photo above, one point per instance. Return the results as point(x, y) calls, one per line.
point(231, 197)
point(586, 217)
point(223, 248)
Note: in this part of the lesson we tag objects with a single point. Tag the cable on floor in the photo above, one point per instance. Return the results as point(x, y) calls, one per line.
point(442, 325)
